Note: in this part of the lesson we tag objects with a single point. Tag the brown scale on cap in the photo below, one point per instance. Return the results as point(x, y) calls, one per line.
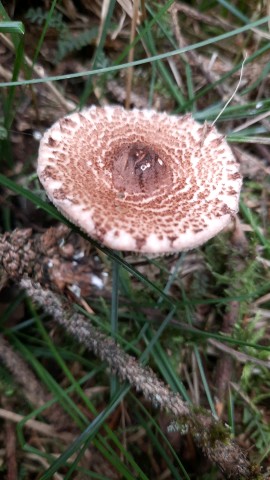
point(140, 180)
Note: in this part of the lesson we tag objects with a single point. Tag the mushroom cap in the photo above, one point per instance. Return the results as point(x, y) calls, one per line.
point(140, 180)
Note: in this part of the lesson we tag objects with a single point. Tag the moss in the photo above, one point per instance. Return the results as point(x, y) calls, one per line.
point(219, 432)
point(207, 430)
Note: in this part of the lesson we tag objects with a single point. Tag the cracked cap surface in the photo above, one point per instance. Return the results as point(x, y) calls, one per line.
point(140, 180)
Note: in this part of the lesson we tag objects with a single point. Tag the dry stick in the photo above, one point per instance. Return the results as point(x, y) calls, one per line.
point(238, 356)
point(248, 123)
point(200, 17)
point(10, 435)
point(103, 15)
point(195, 57)
point(10, 441)
point(252, 166)
point(224, 368)
point(36, 425)
point(143, 11)
point(32, 389)
point(208, 433)
point(131, 52)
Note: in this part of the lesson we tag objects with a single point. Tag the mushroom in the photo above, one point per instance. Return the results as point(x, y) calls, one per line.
point(140, 180)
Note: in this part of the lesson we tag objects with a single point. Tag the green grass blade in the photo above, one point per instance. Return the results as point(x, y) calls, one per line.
point(86, 436)
point(204, 381)
point(250, 217)
point(14, 28)
point(88, 87)
point(114, 317)
point(43, 34)
point(143, 61)
point(235, 11)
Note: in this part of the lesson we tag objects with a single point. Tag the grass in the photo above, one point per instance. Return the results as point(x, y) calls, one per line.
point(165, 311)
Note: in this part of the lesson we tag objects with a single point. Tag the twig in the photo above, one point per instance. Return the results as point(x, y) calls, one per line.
point(224, 367)
point(198, 60)
point(129, 76)
point(11, 451)
point(32, 389)
point(238, 356)
point(36, 425)
point(200, 17)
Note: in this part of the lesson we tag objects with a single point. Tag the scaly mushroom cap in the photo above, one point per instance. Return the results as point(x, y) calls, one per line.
point(140, 180)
